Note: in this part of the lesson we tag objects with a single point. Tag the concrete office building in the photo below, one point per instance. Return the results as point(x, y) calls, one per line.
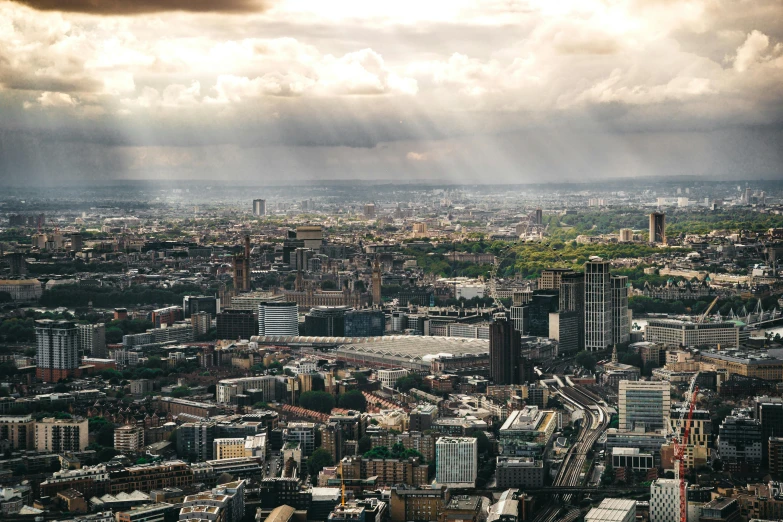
point(389, 378)
point(564, 328)
point(598, 305)
point(621, 324)
point(92, 340)
point(674, 332)
point(527, 432)
point(236, 324)
point(520, 318)
point(278, 318)
point(193, 304)
point(57, 354)
point(259, 207)
point(665, 500)
point(644, 404)
point(456, 461)
point(657, 228)
point(312, 236)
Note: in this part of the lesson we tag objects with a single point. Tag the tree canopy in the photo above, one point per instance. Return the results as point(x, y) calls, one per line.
point(353, 400)
point(317, 401)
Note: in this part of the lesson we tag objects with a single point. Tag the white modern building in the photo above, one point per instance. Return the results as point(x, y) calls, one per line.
point(644, 404)
point(278, 318)
point(598, 305)
point(389, 378)
point(665, 500)
point(456, 460)
point(613, 510)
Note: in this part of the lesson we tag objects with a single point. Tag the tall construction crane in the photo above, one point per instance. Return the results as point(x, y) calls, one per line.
point(708, 310)
point(680, 439)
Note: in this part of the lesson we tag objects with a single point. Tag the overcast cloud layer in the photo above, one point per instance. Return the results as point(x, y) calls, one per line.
point(464, 91)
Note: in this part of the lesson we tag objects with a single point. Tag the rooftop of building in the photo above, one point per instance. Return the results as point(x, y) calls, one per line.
point(742, 357)
point(530, 418)
point(464, 502)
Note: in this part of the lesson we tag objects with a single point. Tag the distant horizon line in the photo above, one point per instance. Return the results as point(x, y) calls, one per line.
point(390, 181)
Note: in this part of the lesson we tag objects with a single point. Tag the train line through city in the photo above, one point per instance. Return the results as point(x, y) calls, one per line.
point(594, 422)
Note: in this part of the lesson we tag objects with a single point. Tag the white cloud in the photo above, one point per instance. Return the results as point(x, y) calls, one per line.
point(749, 53)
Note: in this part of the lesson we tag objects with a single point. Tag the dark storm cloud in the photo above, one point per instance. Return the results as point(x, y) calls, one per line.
point(135, 7)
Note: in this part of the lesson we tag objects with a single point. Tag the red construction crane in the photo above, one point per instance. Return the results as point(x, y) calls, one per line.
point(680, 440)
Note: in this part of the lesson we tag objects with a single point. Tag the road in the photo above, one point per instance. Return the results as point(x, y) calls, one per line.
point(275, 465)
point(594, 423)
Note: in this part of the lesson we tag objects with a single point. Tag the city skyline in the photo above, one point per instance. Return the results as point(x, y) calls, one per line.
point(515, 92)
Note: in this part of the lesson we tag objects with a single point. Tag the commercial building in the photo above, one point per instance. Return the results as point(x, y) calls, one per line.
point(236, 324)
point(259, 207)
point(129, 439)
point(456, 461)
point(674, 332)
point(572, 299)
point(769, 412)
point(613, 510)
point(543, 303)
point(657, 232)
point(22, 289)
point(236, 447)
point(195, 440)
point(57, 353)
point(519, 472)
point(505, 346)
point(621, 325)
point(278, 318)
point(61, 435)
point(326, 321)
point(665, 500)
point(157, 512)
point(389, 377)
point(312, 236)
point(598, 305)
point(632, 458)
point(775, 458)
point(365, 323)
point(303, 433)
point(759, 365)
point(644, 404)
point(564, 328)
point(92, 340)
point(740, 443)
point(193, 304)
point(527, 432)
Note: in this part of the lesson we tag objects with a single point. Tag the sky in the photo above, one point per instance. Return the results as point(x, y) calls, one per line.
point(461, 91)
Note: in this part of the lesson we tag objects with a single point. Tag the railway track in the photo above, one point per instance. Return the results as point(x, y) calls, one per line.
point(595, 422)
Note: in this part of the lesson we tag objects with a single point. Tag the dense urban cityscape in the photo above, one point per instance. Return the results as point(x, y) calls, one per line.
point(409, 261)
point(387, 352)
